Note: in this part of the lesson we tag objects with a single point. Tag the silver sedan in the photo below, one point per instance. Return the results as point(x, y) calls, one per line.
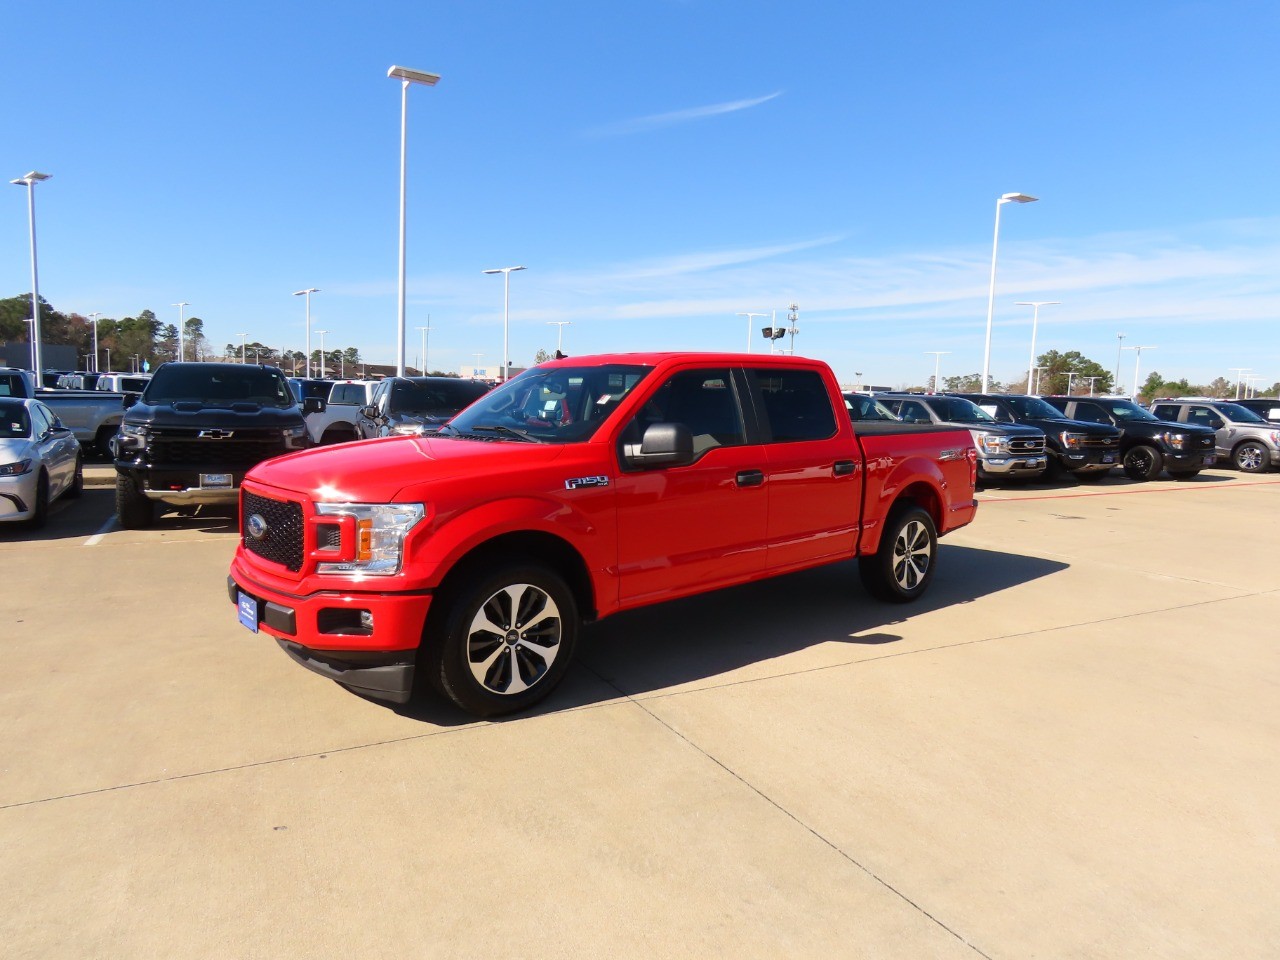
point(39, 461)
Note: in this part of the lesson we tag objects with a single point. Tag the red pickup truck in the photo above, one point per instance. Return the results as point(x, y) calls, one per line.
point(468, 560)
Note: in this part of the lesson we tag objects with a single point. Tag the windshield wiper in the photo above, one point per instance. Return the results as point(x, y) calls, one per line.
point(499, 428)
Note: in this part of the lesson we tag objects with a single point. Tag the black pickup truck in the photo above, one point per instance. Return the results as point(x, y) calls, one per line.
point(1087, 451)
point(1147, 444)
point(197, 429)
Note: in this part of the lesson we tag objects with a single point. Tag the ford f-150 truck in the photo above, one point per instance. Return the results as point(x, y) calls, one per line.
point(579, 489)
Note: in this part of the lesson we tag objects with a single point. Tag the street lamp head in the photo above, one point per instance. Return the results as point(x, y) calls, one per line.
point(504, 270)
point(1036, 303)
point(299, 293)
point(34, 176)
point(414, 76)
point(1017, 198)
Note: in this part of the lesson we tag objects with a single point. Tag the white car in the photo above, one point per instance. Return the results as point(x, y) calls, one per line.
point(39, 461)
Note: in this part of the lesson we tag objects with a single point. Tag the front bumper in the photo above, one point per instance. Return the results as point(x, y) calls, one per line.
point(367, 641)
point(1189, 461)
point(996, 468)
point(1088, 461)
point(18, 497)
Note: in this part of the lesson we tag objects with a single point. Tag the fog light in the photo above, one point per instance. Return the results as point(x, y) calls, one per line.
point(366, 620)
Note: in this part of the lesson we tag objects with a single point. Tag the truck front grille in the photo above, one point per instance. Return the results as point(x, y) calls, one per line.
point(281, 540)
point(239, 451)
point(1103, 443)
point(1022, 445)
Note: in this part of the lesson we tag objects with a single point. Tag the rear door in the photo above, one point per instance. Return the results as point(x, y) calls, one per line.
point(683, 529)
point(814, 469)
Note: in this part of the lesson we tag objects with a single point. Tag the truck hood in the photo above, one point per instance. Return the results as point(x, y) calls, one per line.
point(1058, 425)
point(188, 413)
point(375, 471)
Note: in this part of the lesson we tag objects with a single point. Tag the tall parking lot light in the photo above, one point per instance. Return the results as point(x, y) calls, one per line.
point(750, 319)
point(93, 318)
point(322, 333)
point(406, 77)
point(182, 353)
point(1119, 350)
point(991, 296)
point(30, 181)
point(1137, 361)
point(1239, 372)
point(243, 337)
point(424, 331)
point(559, 325)
point(506, 303)
point(937, 362)
point(307, 293)
point(1035, 321)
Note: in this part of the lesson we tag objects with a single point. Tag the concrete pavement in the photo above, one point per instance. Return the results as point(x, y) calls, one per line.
point(1067, 750)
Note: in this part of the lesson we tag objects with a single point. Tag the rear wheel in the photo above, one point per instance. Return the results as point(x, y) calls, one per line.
point(40, 509)
point(102, 441)
point(1142, 463)
point(1250, 457)
point(133, 510)
point(505, 641)
point(901, 569)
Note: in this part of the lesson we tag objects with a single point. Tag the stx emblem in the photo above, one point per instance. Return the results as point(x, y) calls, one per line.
point(952, 454)
point(579, 482)
point(216, 434)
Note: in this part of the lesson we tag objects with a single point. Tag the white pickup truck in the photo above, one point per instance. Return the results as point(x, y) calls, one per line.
point(336, 423)
point(94, 416)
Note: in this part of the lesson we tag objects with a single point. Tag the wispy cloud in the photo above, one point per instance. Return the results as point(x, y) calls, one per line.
point(659, 120)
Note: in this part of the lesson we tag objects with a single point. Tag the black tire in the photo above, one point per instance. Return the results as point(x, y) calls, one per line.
point(77, 481)
point(337, 435)
point(1251, 457)
point(1142, 463)
point(40, 516)
point(133, 510)
point(102, 441)
point(476, 667)
point(1184, 474)
point(900, 570)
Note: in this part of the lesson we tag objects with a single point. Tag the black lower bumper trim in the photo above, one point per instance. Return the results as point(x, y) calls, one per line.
point(382, 676)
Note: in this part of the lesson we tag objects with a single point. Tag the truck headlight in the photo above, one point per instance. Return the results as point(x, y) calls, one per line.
point(380, 531)
point(1176, 440)
point(408, 430)
point(295, 438)
point(14, 469)
point(1070, 441)
point(993, 444)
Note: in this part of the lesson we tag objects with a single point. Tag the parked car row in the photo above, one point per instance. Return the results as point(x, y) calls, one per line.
point(1022, 437)
point(40, 461)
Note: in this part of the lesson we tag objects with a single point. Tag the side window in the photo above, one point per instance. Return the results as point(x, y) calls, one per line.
point(913, 411)
point(344, 395)
point(1202, 415)
point(379, 395)
point(797, 405)
point(41, 420)
point(1091, 413)
point(704, 401)
point(1166, 411)
point(996, 410)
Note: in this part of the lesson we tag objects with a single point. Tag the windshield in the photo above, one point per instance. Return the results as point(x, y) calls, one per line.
point(1238, 414)
point(433, 395)
point(959, 410)
point(218, 384)
point(1128, 410)
point(15, 423)
point(866, 408)
point(1033, 407)
point(549, 404)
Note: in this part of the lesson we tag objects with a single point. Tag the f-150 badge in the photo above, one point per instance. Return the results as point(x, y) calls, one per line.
point(578, 482)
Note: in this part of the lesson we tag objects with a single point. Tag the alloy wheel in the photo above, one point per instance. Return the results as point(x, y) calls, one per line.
point(513, 639)
point(912, 554)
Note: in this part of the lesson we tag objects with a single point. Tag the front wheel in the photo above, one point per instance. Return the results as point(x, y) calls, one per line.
point(1250, 457)
point(1142, 463)
point(506, 640)
point(900, 570)
point(40, 509)
point(77, 480)
point(133, 510)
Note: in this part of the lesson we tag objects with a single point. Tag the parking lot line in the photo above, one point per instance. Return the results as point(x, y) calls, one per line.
point(102, 532)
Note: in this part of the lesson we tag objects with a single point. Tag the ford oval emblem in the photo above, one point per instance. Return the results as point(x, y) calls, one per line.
point(256, 526)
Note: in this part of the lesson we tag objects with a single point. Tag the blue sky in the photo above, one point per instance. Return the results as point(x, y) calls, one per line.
point(659, 168)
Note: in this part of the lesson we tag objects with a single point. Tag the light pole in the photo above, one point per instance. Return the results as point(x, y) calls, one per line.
point(750, 318)
point(991, 296)
point(1036, 390)
point(182, 354)
point(1119, 350)
point(424, 331)
point(243, 337)
point(1035, 321)
point(506, 303)
point(1137, 360)
point(477, 366)
point(30, 181)
point(307, 293)
point(937, 362)
point(1071, 375)
point(559, 325)
point(1239, 372)
point(134, 361)
point(93, 318)
point(108, 349)
point(406, 77)
point(1091, 379)
point(322, 333)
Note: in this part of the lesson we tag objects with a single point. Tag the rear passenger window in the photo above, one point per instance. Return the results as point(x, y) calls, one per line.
point(1166, 411)
point(1091, 413)
point(796, 404)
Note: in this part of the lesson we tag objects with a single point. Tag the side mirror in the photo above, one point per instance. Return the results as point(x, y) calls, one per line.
point(1216, 423)
point(664, 445)
point(369, 412)
point(313, 405)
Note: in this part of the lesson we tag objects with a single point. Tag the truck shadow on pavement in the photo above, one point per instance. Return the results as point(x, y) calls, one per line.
point(699, 638)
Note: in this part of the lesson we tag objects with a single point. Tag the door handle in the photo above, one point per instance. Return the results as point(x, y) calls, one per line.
point(844, 468)
point(750, 478)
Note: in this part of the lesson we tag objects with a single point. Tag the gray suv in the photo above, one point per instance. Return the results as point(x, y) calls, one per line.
point(1252, 444)
point(1005, 450)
